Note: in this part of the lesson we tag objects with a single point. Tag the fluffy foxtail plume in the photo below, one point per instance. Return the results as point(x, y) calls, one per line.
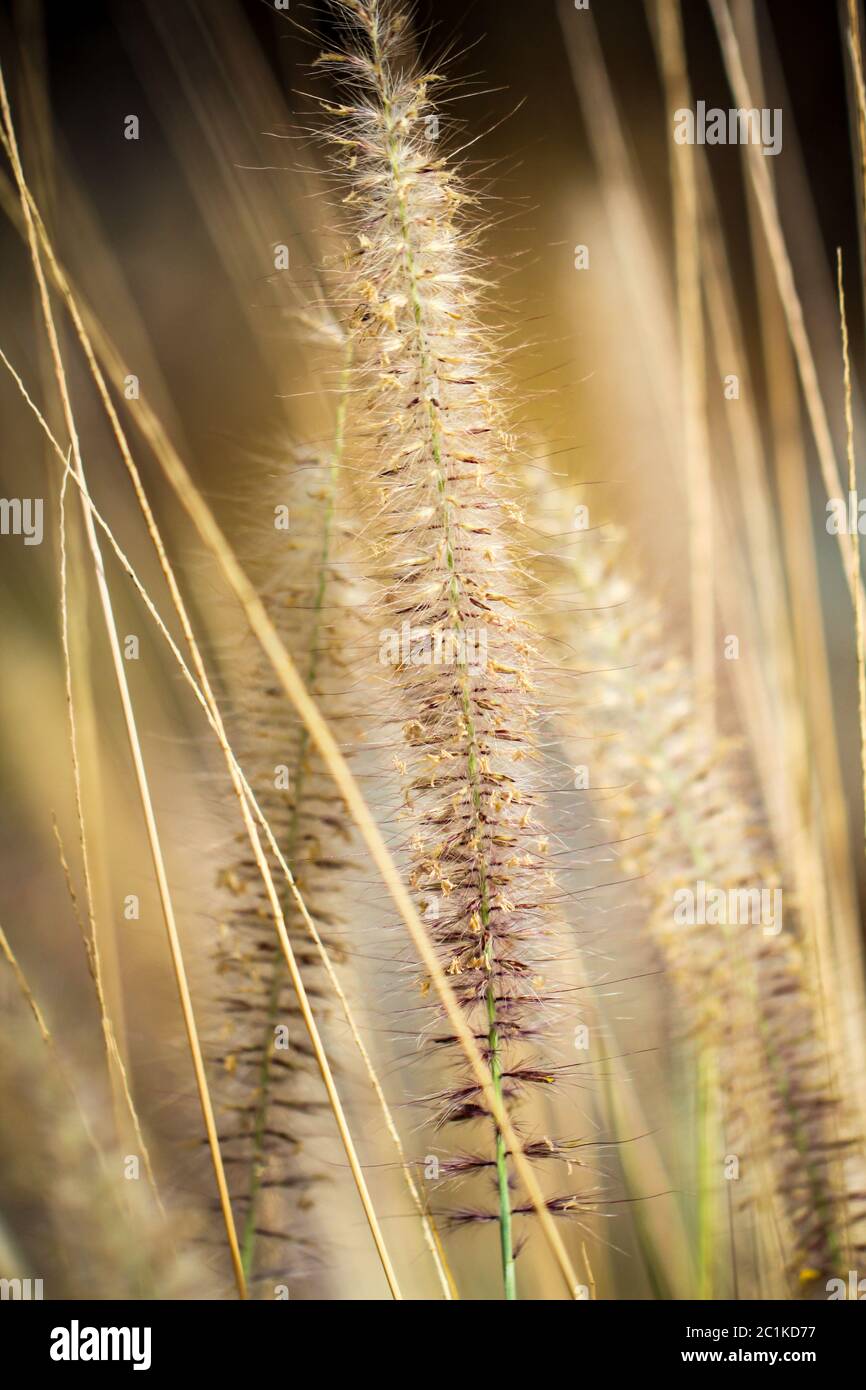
point(272, 1098)
point(429, 432)
point(738, 960)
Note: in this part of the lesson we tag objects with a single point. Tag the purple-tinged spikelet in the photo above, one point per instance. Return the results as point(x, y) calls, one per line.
point(429, 432)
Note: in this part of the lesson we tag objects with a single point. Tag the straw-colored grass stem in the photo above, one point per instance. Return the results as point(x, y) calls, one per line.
point(126, 701)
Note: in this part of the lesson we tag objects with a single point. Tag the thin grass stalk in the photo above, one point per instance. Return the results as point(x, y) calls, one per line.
point(766, 200)
point(767, 589)
point(644, 277)
point(24, 986)
point(116, 1068)
point(706, 1092)
point(47, 1037)
point(855, 50)
point(670, 45)
point(837, 938)
point(856, 53)
point(126, 702)
point(789, 776)
point(855, 536)
point(828, 876)
point(787, 766)
point(668, 34)
point(669, 1278)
